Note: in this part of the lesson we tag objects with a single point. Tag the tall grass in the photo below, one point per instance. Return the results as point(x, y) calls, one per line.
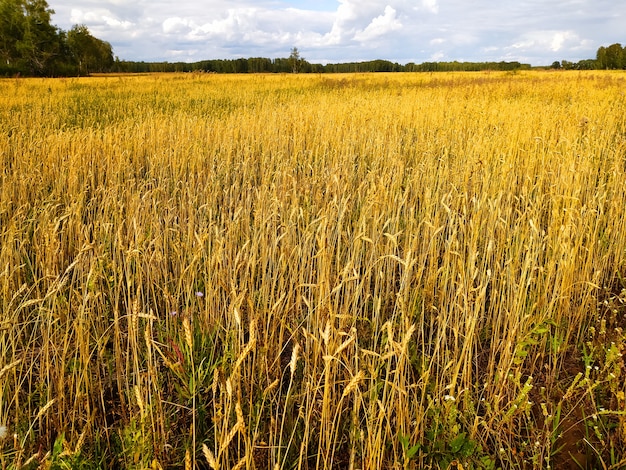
point(360, 271)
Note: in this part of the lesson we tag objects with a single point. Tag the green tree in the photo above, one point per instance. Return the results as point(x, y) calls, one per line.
point(28, 42)
point(90, 54)
point(31, 45)
point(295, 59)
point(41, 43)
point(601, 58)
point(587, 64)
point(12, 25)
point(615, 56)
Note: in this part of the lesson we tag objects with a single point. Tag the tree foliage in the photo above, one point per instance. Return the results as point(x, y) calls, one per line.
point(295, 60)
point(286, 65)
point(91, 54)
point(611, 57)
point(31, 45)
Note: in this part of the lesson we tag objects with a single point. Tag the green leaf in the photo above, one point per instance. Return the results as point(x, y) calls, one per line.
point(457, 443)
point(412, 451)
point(468, 448)
point(57, 448)
point(404, 440)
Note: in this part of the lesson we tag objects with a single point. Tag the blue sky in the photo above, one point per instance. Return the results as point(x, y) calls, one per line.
point(321, 5)
point(530, 31)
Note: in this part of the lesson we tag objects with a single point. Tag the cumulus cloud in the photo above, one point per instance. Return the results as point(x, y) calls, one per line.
point(437, 56)
point(346, 19)
point(536, 41)
point(345, 30)
point(381, 25)
point(100, 18)
point(248, 26)
point(177, 25)
point(431, 5)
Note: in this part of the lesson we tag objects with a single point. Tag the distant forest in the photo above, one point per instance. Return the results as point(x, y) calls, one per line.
point(31, 46)
point(612, 57)
point(285, 65)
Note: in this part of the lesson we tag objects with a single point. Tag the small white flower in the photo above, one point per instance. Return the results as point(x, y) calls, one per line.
point(449, 398)
point(4, 432)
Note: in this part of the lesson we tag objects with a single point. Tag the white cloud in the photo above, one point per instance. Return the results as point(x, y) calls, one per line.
point(343, 26)
point(233, 25)
point(177, 25)
point(99, 18)
point(557, 41)
point(381, 25)
point(346, 30)
point(554, 41)
point(437, 56)
point(431, 5)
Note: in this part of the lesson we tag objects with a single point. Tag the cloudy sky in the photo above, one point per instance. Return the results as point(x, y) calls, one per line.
point(530, 31)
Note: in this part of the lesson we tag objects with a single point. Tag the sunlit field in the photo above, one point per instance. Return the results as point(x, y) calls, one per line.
point(377, 271)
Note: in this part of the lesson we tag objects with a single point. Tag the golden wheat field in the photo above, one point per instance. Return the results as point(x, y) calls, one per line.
point(375, 271)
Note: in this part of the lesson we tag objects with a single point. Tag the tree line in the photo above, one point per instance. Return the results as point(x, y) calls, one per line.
point(31, 45)
point(611, 57)
point(285, 65)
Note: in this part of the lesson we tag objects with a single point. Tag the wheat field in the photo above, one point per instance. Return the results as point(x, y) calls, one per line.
point(369, 271)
